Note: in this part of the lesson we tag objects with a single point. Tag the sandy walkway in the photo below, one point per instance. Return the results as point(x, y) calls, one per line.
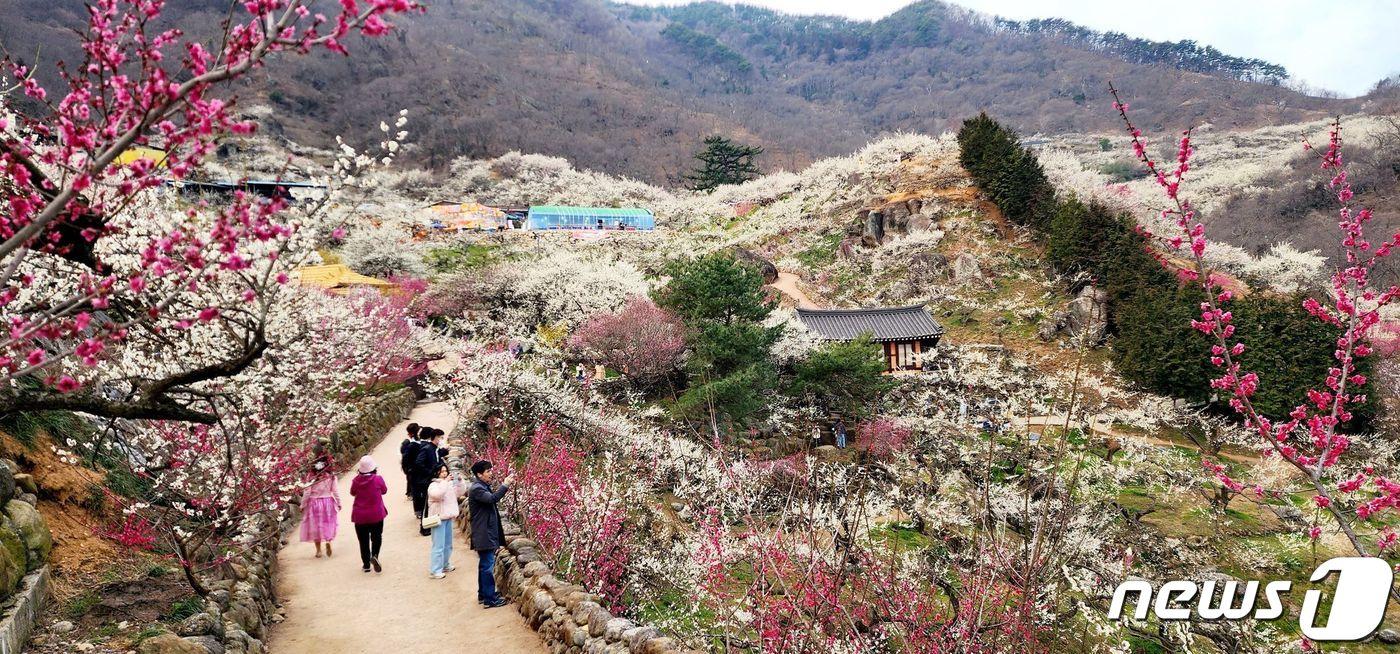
point(787, 284)
point(333, 608)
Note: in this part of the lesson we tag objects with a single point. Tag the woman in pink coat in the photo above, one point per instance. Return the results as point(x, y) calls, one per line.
point(443, 496)
point(368, 512)
point(320, 507)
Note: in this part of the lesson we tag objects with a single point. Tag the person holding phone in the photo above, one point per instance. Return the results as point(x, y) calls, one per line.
point(443, 495)
point(487, 533)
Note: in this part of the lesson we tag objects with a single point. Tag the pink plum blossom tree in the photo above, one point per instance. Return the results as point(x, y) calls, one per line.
point(207, 492)
point(641, 340)
point(1312, 438)
point(94, 271)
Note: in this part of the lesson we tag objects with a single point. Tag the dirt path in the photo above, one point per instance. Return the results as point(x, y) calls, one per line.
point(333, 608)
point(787, 284)
point(1108, 430)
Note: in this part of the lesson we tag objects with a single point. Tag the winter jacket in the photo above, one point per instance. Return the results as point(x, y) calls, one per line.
point(487, 533)
point(368, 491)
point(426, 462)
point(408, 452)
point(442, 498)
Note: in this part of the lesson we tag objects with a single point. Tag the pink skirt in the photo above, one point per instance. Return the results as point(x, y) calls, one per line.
point(318, 520)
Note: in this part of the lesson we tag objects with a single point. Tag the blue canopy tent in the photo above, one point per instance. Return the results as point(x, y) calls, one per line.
point(554, 217)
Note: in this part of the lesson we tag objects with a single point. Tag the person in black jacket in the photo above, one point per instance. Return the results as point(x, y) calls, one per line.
point(408, 451)
point(424, 464)
point(487, 533)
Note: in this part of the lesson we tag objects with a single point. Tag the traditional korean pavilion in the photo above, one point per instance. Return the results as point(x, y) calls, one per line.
point(904, 333)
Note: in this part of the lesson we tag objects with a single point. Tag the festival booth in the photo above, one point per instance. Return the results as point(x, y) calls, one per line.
point(467, 216)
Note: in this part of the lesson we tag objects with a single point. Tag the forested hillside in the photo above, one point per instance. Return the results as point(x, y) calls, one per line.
point(634, 90)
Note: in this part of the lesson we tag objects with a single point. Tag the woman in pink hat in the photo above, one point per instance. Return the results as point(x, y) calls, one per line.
point(368, 512)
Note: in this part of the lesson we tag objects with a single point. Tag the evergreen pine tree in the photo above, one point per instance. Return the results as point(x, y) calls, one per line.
point(723, 162)
point(723, 304)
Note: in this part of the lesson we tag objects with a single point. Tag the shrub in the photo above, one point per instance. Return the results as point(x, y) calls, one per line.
point(1123, 171)
point(183, 608)
point(882, 437)
point(26, 425)
point(460, 257)
point(844, 376)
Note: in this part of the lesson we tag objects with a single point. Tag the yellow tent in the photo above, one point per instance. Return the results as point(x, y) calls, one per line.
point(137, 152)
point(339, 278)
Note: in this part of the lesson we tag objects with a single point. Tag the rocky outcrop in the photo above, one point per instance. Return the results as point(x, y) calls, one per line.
point(897, 216)
point(38, 541)
point(25, 540)
point(880, 219)
point(966, 268)
point(169, 644)
point(1084, 319)
point(764, 266)
point(926, 268)
point(874, 224)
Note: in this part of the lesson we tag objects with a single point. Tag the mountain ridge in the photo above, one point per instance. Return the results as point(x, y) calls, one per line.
point(634, 90)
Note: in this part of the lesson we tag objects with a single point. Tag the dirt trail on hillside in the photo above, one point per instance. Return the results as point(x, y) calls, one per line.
point(1108, 430)
point(787, 284)
point(334, 608)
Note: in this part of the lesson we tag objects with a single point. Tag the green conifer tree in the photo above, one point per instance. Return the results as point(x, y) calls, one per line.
point(722, 162)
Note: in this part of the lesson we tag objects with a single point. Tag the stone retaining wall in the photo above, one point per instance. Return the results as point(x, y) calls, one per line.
point(569, 619)
point(240, 607)
point(22, 610)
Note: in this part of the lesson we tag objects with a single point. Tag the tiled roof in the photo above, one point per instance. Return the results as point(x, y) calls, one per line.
point(883, 324)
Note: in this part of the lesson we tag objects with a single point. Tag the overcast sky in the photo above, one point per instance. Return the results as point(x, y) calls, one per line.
point(1342, 45)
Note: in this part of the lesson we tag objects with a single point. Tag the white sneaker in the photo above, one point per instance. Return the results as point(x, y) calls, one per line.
point(449, 568)
point(437, 575)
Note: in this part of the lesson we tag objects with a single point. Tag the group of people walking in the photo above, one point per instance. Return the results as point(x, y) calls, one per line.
point(435, 493)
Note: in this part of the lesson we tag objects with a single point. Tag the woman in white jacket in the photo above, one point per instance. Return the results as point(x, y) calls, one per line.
point(443, 495)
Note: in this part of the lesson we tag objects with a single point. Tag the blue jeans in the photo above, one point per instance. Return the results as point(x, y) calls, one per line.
point(442, 547)
point(841, 439)
point(486, 577)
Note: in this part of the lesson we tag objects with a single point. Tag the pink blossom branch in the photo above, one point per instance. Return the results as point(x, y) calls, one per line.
point(1355, 310)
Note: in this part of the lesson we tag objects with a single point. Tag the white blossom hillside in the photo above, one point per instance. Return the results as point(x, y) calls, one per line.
point(694, 327)
point(1016, 422)
point(702, 461)
point(1258, 190)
